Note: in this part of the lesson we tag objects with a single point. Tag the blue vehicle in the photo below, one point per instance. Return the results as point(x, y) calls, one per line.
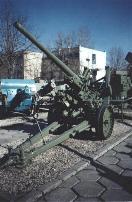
point(16, 95)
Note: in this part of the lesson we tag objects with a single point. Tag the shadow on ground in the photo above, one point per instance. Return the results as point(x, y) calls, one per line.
point(104, 171)
point(29, 126)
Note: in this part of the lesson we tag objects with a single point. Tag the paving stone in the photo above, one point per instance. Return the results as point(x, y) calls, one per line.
point(88, 175)
point(125, 164)
point(114, 168)
point(122, 148)
point(90, 167)
point(81, 165)
point(41, 200)
point(49, 186)
point(108, 160)
point(129, 140)
point(70, 182)
point(109, 184)
point(116, 195)
point(123, 143)
point(32, 196)
point(2, 200)
point(110, 153)
point(88, 189)
point(124, 156)
point(127, 173)
point(129, 145)
point(67, 174)
point(90, 199)
point(5, 196)
point(61, 194)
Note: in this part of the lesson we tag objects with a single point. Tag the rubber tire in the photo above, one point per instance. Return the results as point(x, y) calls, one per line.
point(104, 132)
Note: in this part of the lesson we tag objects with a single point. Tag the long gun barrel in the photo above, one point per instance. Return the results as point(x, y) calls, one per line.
point(58, 62)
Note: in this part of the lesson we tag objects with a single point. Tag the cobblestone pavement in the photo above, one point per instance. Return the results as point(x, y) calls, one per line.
point(106, 178)
point(109, 178)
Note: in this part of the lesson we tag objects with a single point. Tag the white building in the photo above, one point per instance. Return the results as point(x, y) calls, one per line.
point(32, 63)
point(26, 65)
point(93, 59)
point(77, 59)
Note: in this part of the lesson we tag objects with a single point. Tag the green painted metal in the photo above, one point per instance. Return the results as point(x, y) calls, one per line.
point(66, 135)
point(84, 104)
point(121, 82)
point(23, 153)
point(39, 136)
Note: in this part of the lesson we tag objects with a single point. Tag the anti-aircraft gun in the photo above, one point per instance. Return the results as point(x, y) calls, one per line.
point(83, 105)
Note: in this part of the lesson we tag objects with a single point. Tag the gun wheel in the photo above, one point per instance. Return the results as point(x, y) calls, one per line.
point(105, 122)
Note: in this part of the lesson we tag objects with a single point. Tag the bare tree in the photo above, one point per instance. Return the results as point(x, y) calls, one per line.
point(66, 48)
point(116, 57)
point(83, 37)
point(71, 39)
point(11, 41)
point(60, 41)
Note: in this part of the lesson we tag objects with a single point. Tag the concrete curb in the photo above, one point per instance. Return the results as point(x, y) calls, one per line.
point(66, 175)
point(48, 187)
point(83, 164)
point(109, 146)
point(44, 189)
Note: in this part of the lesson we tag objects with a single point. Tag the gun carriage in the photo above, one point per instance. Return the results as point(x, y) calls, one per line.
point(83, 105)
point(121, 85)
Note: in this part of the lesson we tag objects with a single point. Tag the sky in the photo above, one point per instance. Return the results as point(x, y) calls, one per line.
point(109, 21)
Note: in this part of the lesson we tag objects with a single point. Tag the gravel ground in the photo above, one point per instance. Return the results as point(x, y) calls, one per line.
point(48, 166)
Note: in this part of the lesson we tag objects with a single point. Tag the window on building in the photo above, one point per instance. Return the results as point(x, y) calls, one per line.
point(93, 58)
